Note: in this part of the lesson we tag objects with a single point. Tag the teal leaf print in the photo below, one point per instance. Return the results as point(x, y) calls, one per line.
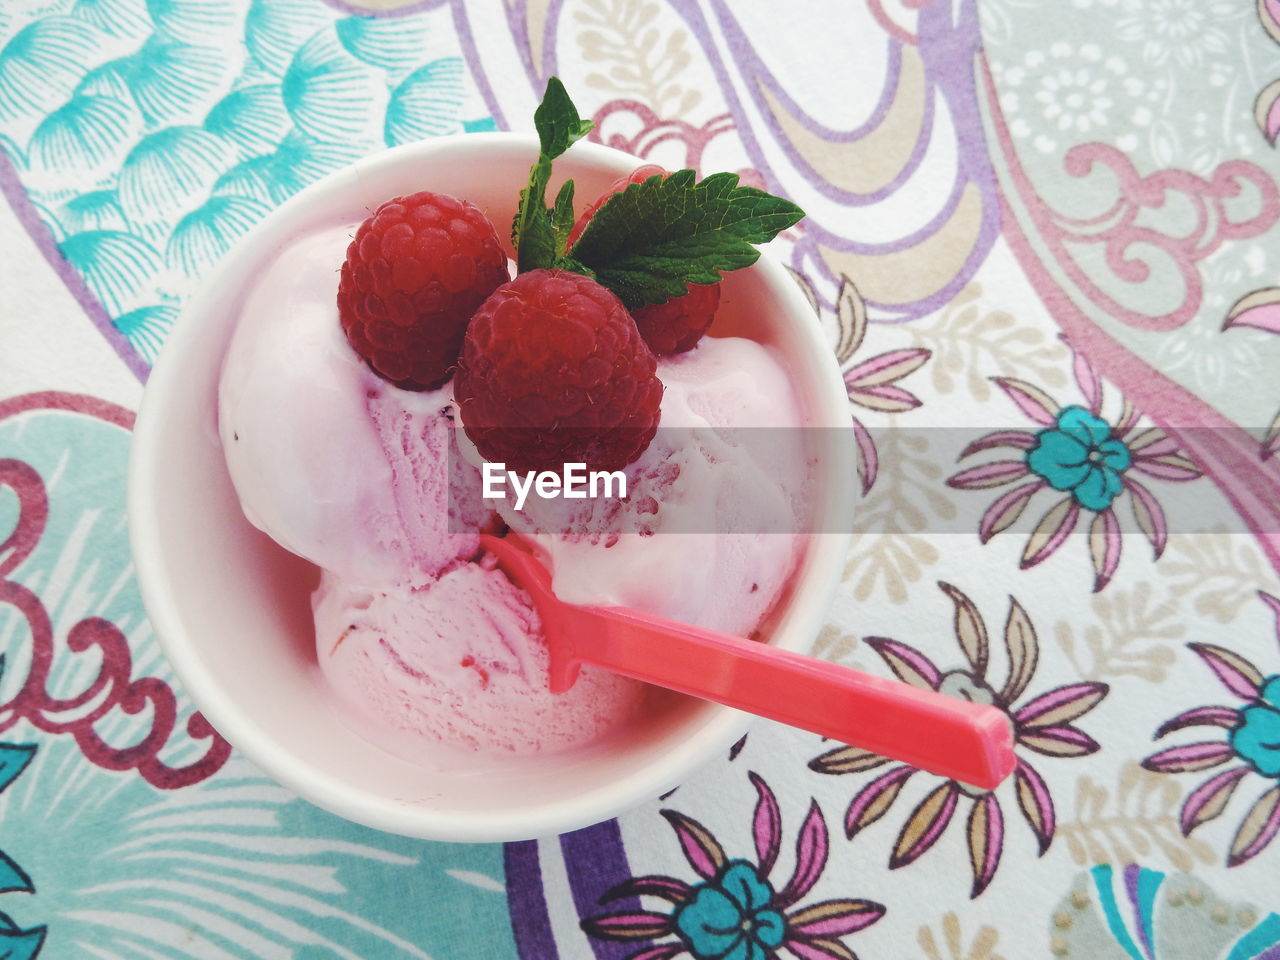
point(204, 235)
point(109, 80)
point(395, 45)
point(18, 944)
point(330, 94)
point(428, 103)
point(255, 179)
point(146, 328)
point(1130, 912)
point(253, 118)
point(170, 171)
point(170, 80)
point(113, 263)
point(168, 126)
point(193, 21)
point(234, 868)
point(85, 133)
point(12, 877)
point(41, 65)
point(99, 210)
point(117, 18)
point(1253, 945)
point(15, 152)
point(301, 160)
point(255, 73)
point(275, 29)
point(14, 758)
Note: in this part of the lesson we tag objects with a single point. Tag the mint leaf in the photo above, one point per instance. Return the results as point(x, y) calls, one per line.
point(650, 241)
point(562, 218)
point(557, 122)
point(532, 233)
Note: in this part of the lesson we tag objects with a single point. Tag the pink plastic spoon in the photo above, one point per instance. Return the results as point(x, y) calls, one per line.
point(966, 741)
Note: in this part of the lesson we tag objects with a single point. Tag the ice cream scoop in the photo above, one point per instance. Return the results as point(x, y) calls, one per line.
point(954, 738)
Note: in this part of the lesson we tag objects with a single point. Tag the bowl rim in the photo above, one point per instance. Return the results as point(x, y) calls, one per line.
point(823, 560)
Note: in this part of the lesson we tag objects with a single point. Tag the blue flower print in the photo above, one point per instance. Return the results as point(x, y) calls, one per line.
point(1080, 455)
point(1257, 740)
point(729, 918)
point(734, 911)
point(1251, 747)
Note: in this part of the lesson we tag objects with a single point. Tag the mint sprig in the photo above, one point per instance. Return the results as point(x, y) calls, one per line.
point(533, 234)
point(650, 241)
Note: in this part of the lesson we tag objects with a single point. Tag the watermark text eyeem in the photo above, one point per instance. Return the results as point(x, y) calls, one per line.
point(574, 483)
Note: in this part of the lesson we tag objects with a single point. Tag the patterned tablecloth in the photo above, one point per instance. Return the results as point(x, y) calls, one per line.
point(1043, 239)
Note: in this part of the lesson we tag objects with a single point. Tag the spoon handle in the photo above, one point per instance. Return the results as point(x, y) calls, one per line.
point(966, 741)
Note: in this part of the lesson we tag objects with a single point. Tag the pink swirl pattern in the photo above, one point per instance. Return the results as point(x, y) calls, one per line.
point(1119, 231)
point(114, 687)
point(615, 119)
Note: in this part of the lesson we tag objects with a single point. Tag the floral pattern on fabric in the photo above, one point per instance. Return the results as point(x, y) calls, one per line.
point(872, 382)
point(1260, 310)
point(730, 916)
point(735, 912)
point(1090, 459)
point(1266, 109)
point(1079, 455)
point(1251, 745)
point(1044, 724)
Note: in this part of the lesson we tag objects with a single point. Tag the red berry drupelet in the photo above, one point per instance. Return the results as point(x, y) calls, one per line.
point(414, 274)
point(678, 324)
point(553, 371)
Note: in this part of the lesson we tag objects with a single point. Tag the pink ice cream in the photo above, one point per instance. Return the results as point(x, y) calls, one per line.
point(707, 533)
point(460, 663)
point(333, 463)
point(426, 646)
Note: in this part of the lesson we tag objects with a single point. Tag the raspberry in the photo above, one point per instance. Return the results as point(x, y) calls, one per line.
point(678, 324)
point(415, 272)
point(553, 371)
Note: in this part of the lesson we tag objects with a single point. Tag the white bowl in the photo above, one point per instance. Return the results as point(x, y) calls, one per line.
point(232, 609)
